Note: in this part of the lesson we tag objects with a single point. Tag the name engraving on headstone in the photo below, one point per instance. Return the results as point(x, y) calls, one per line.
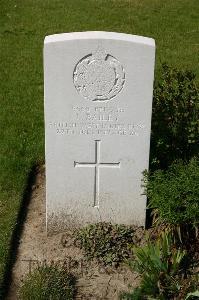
point(97, 121)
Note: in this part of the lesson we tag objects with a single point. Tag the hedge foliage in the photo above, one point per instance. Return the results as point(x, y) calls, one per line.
point(175, 193)
point(175, 118)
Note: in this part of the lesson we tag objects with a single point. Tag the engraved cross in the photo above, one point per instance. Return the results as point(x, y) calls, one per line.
point(96, 165)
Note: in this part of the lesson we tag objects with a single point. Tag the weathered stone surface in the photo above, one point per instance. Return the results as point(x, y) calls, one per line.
point(98, 99)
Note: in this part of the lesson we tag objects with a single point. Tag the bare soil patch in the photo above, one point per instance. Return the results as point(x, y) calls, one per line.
point(94, 281)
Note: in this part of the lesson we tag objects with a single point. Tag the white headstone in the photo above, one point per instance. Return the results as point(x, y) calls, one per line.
point(98, 101)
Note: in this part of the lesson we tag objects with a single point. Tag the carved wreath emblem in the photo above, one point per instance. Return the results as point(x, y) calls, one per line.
point(99, 76)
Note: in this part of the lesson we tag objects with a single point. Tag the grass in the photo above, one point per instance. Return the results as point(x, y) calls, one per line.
point(23, 25)
point(109, 244)
point(48, 282)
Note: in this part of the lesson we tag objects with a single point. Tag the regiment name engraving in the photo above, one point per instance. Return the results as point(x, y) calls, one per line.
point(96, 121)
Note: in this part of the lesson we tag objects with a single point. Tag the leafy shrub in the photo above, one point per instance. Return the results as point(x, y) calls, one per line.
point(108, 243)
point(175, 193)
point(48, 282)
point(160, 265)
point(191, 295)
point(175, 121)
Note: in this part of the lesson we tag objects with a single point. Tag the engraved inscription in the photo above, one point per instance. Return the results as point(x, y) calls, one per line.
point(99, 76)
point(96, 121)
point(97, 165)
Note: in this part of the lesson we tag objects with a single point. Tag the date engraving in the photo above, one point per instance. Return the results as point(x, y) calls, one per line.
point(97, 121)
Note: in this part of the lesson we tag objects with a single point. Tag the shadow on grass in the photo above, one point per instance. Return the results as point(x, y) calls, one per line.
point(16, 234)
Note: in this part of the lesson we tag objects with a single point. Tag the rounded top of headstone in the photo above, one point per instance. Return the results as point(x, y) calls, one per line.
point(99, 35)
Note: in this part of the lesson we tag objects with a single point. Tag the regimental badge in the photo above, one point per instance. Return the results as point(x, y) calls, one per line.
point(99, 76)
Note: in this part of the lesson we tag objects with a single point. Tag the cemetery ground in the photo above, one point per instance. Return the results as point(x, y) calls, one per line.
point(99, 260)
point(173, 24)
point(93, 279)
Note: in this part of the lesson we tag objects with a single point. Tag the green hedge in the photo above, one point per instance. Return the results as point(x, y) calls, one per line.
point(175, 118)
point(175, 193)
